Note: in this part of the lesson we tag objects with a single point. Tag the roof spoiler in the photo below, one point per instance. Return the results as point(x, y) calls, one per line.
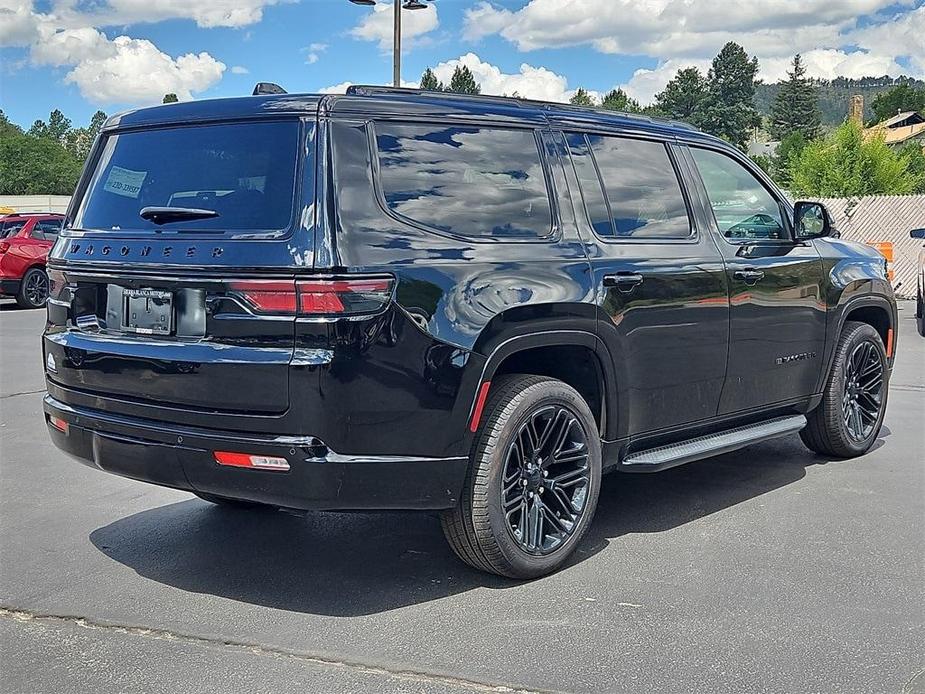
point(263, 88)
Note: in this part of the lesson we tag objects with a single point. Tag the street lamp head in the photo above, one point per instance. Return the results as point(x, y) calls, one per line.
point(414, 5)
point(363, 2)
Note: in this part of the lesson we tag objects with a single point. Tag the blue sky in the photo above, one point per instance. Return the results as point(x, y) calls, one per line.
point(84, 55)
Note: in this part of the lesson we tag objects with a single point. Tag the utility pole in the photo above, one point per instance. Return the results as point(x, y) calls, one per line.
point(396, 45)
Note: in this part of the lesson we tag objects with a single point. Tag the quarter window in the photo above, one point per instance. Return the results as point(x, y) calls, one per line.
point(485, 182)
point(642, 188)
point(743, 207)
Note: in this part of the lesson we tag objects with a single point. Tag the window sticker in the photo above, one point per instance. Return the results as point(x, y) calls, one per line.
point(124, 182)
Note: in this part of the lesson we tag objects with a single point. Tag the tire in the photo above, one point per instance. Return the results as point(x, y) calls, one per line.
point(240, 504)
point(832, 427)
point(33, 290)
point(479, 530)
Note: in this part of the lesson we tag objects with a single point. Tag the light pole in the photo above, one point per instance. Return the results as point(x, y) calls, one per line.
point(397, 7)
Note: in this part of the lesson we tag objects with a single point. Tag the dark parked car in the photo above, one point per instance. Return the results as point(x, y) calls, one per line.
point(25, 240)
point(407, 300)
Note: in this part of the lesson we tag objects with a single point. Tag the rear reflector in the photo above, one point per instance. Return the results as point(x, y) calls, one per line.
point(260, 462)
point(479, 406)
point(59, 424)
point(320, 297)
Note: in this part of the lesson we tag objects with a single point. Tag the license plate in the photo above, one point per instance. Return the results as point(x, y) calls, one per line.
point(147, 311)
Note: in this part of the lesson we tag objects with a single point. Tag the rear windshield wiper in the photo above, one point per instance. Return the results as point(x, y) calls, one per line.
point(165, 215)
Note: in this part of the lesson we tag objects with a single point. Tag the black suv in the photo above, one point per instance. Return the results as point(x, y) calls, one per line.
point(396, 299)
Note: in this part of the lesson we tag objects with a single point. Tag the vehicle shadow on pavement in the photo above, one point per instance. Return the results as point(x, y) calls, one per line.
point(351, 564)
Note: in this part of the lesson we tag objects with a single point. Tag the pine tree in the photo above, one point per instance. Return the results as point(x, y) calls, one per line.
point(463, 81)
point(618, 100)
point(581, 98)
point(429, 82)
point(796, 107)
point(684, 96)
point(729, 111)
point(897, 100)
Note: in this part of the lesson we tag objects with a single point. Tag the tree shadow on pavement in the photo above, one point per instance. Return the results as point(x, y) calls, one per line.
point(350, 564)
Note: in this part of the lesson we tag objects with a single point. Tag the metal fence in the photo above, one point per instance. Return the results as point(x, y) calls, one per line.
point(879, 218)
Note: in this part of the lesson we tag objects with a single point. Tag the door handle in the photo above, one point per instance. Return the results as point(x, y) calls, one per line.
point(624, 281)
point(749, 276)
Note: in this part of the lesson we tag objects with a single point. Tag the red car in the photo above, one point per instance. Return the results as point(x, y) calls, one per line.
point(25, 239)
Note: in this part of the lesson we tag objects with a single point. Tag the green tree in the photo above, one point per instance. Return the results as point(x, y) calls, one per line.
point(916, 156)
point(683, 98)
point(897, 100)
point(581, 98)
point(729, 111)
point(463, 81)
point(170, 98)
point(57, 127)
point(788, 149)
point(78, 141)
point(31, 165)
point(430, 82)
point(796, 106)
point(846, 164)
point(618, 100)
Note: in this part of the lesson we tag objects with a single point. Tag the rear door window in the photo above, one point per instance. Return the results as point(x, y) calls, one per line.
point(471, 181)
point(8, 229)
point(245, 172)
point(642, 188)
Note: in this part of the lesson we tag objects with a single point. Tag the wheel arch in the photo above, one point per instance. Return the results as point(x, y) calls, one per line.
point(875, 310)
point(576, 357)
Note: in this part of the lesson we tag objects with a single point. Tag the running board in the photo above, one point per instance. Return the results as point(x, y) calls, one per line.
point(707, 446)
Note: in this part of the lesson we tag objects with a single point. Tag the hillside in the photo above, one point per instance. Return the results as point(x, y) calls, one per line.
point(834, 95)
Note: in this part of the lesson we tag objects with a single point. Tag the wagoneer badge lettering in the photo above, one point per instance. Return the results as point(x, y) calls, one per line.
point(142, 251)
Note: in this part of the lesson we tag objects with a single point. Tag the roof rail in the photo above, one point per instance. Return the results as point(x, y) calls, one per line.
point(373, 90)
point(262, 88)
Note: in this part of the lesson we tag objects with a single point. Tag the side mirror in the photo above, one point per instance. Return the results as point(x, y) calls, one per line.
point(811, 220)
point(917, 233)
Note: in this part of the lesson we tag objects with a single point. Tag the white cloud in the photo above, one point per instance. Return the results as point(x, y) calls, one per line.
point(239, 70)
point(682, 32)
point(119, 70)
point(314, 52)
point(214, 13)
point(18, 24)
point(377, 25)
point(531, 82)
point(124, 70)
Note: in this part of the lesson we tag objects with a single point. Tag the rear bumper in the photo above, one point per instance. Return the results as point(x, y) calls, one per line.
point(318, 478)
point(10, 287)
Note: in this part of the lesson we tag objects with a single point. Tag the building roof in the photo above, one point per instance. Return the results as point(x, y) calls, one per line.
point(901, 127)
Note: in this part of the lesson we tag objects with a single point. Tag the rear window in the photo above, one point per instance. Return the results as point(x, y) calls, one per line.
point(243, 171)
point(471, 181)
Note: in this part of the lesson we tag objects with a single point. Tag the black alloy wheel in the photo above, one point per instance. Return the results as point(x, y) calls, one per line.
point(863, 390)
point(847, 421)
point(34, 290)
point(533, 481)
point(546, 479)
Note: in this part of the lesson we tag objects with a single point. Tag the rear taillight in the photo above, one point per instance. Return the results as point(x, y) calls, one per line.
point(344, 297)
point(267, 296)
point(317, 297)
point(4, 246)
point(56, 282)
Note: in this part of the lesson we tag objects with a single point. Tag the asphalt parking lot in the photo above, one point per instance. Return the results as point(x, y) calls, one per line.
point(768, 569)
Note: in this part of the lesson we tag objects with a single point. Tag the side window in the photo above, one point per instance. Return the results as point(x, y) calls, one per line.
point(591, 190)
point(49, 229)
point(472, 181)
point(10, 229)
point(743, 207)
point(642, 188)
